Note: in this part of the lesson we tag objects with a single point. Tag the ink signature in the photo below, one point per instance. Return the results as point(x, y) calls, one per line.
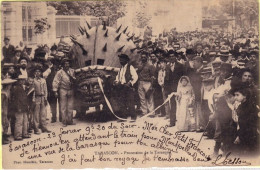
point(222, 160)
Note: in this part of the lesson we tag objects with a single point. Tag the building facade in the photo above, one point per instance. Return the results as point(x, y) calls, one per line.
point(18, 24)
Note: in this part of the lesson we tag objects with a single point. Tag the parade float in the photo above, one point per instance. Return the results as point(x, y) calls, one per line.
point(95, 56)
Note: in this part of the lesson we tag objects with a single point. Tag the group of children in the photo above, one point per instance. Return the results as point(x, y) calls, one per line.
point(24, 105)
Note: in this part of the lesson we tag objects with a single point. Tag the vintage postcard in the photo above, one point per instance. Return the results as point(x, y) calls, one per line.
point(130, 84)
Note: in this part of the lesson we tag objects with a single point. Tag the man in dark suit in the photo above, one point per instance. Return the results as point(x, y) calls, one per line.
point(49, 75)
point(23, 69)
point(176, 71)
point(21, 106)
point(163, 77)
point(196, 82)
point(8, 51)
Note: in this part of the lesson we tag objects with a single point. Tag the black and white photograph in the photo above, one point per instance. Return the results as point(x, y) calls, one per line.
point(130, 84)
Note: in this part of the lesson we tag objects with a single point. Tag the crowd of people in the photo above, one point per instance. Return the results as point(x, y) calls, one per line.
point(212, 79)
point(29, 84)
point(201, 81)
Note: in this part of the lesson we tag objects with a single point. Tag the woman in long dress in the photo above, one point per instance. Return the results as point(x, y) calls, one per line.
point(185, 102)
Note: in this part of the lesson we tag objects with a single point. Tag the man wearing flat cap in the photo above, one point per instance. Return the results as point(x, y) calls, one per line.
point(124, 82)
point(8, 50)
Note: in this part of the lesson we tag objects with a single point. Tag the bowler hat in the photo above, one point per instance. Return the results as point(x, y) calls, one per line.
point(123, 56)
point(6, 38)
point(37, 67)
point(22, 58)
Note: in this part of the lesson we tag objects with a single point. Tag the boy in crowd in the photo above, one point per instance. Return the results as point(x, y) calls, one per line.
point(40, 100)
point(21, 107)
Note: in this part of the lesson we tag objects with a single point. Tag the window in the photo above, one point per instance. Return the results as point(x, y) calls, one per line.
point(24, 13)
point(29, 13)
point(88, 63)
point(30, 34)
point(100, 62)
point(67, 26)
point(24, 33)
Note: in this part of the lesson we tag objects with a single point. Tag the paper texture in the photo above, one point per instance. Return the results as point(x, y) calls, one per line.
point(122, 121)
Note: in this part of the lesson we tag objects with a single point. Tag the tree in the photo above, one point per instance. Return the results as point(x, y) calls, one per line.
point(247, 9)
point(142, 17)
point(113, 9)
point(41, 25)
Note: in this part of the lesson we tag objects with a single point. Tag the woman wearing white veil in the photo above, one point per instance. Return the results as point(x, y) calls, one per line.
point(185, 102)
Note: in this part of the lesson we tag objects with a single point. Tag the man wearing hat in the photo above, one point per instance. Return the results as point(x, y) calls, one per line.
point(16, 57)
point(8, 50)
point(125, 80)
point(207, 88)
point(40, 99)
point(21, 109)
point(196, 82)
point(146, 76)
point(199, 50)
point(177, 70)
point(190, 54)
point(63, 81)
point(225, 55)
point(5, 97)
point(23, 63)
point(212, 56)
point(163, 78)
point(49, 75)
point(9, 71)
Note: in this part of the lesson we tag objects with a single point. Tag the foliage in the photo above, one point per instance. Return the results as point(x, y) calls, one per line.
point(113, 9)
point(41, 25)
point(246, 8)
point(142, 17)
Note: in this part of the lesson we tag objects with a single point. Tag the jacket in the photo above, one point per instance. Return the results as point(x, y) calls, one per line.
point(62, 80)
point(8, 53)
point(20, 102)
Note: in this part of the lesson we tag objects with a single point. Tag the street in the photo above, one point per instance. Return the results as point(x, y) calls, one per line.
point(110, 139)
